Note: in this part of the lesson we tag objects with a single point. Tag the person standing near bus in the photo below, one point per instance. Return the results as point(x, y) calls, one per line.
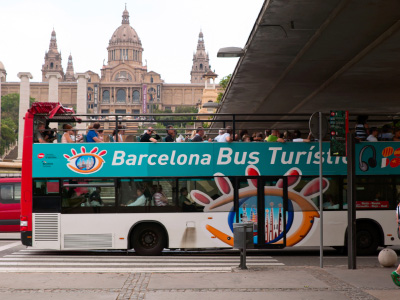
point(92, 136)
point(396, 276)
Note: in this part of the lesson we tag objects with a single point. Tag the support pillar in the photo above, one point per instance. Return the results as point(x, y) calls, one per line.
point(53, 86)
point(1, 77)
point(24, 94)
point(81, 99)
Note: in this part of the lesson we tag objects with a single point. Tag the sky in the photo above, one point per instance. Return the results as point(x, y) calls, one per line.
point(168, 30)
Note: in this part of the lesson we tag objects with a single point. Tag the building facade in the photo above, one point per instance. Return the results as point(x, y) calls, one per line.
point(124, 84)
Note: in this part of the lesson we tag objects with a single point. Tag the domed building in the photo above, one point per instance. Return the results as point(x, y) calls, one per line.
point(124, 84)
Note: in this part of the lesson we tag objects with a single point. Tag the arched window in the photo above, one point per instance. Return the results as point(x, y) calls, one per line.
point(151, 79)
point(201, 66)
point(106, 96)
point(51, 65)
point(121, 95)
point(136, 96)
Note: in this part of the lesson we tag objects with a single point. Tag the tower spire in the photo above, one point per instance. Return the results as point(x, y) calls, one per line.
point(200, 61)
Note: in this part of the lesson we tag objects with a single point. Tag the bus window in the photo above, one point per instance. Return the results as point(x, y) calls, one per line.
point(88, 196)
point(372, 192)
point(7, 194)
point(332, 198)
point(205, 185)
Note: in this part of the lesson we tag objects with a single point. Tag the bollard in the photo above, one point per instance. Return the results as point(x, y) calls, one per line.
point(243, 239)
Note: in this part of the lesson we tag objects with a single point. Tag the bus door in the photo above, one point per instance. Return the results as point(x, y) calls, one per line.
point(263, 200)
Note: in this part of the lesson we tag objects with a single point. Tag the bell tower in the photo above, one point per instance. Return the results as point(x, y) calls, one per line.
point(69, 74)
point(200, 62)
point(52, 59)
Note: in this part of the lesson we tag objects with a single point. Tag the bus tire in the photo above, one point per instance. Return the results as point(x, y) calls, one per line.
point(367, 239)
point(148, 239)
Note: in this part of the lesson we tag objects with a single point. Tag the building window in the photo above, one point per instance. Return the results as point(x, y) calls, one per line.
point(136, 96)
point(121, 96)
point(120, 111)
point(201, 66)
point(106, 96)
point(152, 93)
point(151, 79)
point(105, 111)
point(51, 65)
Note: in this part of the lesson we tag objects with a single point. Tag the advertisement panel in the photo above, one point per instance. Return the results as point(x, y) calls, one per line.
point(205, 159)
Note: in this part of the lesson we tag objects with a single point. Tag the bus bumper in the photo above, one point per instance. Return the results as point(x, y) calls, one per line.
point(26, 238)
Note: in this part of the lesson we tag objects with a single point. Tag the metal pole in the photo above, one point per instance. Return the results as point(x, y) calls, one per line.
point(351, 203)
point(243, 251)
point(321, 200)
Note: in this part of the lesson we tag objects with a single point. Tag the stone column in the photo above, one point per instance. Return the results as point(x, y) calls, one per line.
point(1, 76)
point(24, 94)
point(53, 86)
point(81, 97)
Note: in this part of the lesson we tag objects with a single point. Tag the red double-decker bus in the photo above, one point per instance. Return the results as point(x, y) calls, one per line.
point(10, 207)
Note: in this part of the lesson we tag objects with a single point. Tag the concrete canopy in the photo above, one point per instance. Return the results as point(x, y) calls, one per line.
point(304, 56)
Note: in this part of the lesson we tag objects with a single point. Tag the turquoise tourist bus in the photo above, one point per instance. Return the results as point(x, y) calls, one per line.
point(152, 196)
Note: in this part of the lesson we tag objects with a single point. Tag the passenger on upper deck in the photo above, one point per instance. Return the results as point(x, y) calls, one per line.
point(66, 137)
point(396, 136)
point(92, 136)
point(224, 135)
point(274, 137)
point(121, 132)
point(147, 136)
point(171, 134)
point(199, 135)
point(39, 136)
point(362, 128)
point(373, 137)
point(297, 137)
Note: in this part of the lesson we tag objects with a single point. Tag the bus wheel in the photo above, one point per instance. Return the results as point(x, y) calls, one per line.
point(148, 239)
point(367, 239)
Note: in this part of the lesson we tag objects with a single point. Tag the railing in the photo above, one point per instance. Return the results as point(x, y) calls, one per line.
point(188, 122)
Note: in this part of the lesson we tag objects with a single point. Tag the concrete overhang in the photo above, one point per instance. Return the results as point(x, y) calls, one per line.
point(304, 56)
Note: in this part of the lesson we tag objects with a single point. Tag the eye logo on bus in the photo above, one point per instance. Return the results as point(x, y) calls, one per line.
point(85, 162)
point(273, 198)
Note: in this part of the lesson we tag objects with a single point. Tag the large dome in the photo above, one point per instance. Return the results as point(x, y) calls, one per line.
point(125, 33)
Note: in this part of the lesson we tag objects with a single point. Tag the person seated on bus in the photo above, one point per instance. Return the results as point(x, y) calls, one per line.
point(184, 202)
point(121, 132)
point(274, 137)
point(50, 134)
point(396, 136)
point(141, 198)
point(68, 134)
point(246, 138)
point(221, 137)
point(171, 134)
point(39, 135)
point(386, 134)
point(199, 135)
point(330, 202)
point(100, 134)
point(147, 136)
point(297, 137)
point(373, 137)
point(92, 135)
point(95, 197)
point(259, 137)
point(159, 197)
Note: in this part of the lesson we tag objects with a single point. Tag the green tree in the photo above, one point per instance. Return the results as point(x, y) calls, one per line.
point(224, 84)
point(9, 119)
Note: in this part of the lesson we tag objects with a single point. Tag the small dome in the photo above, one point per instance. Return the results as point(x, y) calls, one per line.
point(2, 68)
point(124, 33)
